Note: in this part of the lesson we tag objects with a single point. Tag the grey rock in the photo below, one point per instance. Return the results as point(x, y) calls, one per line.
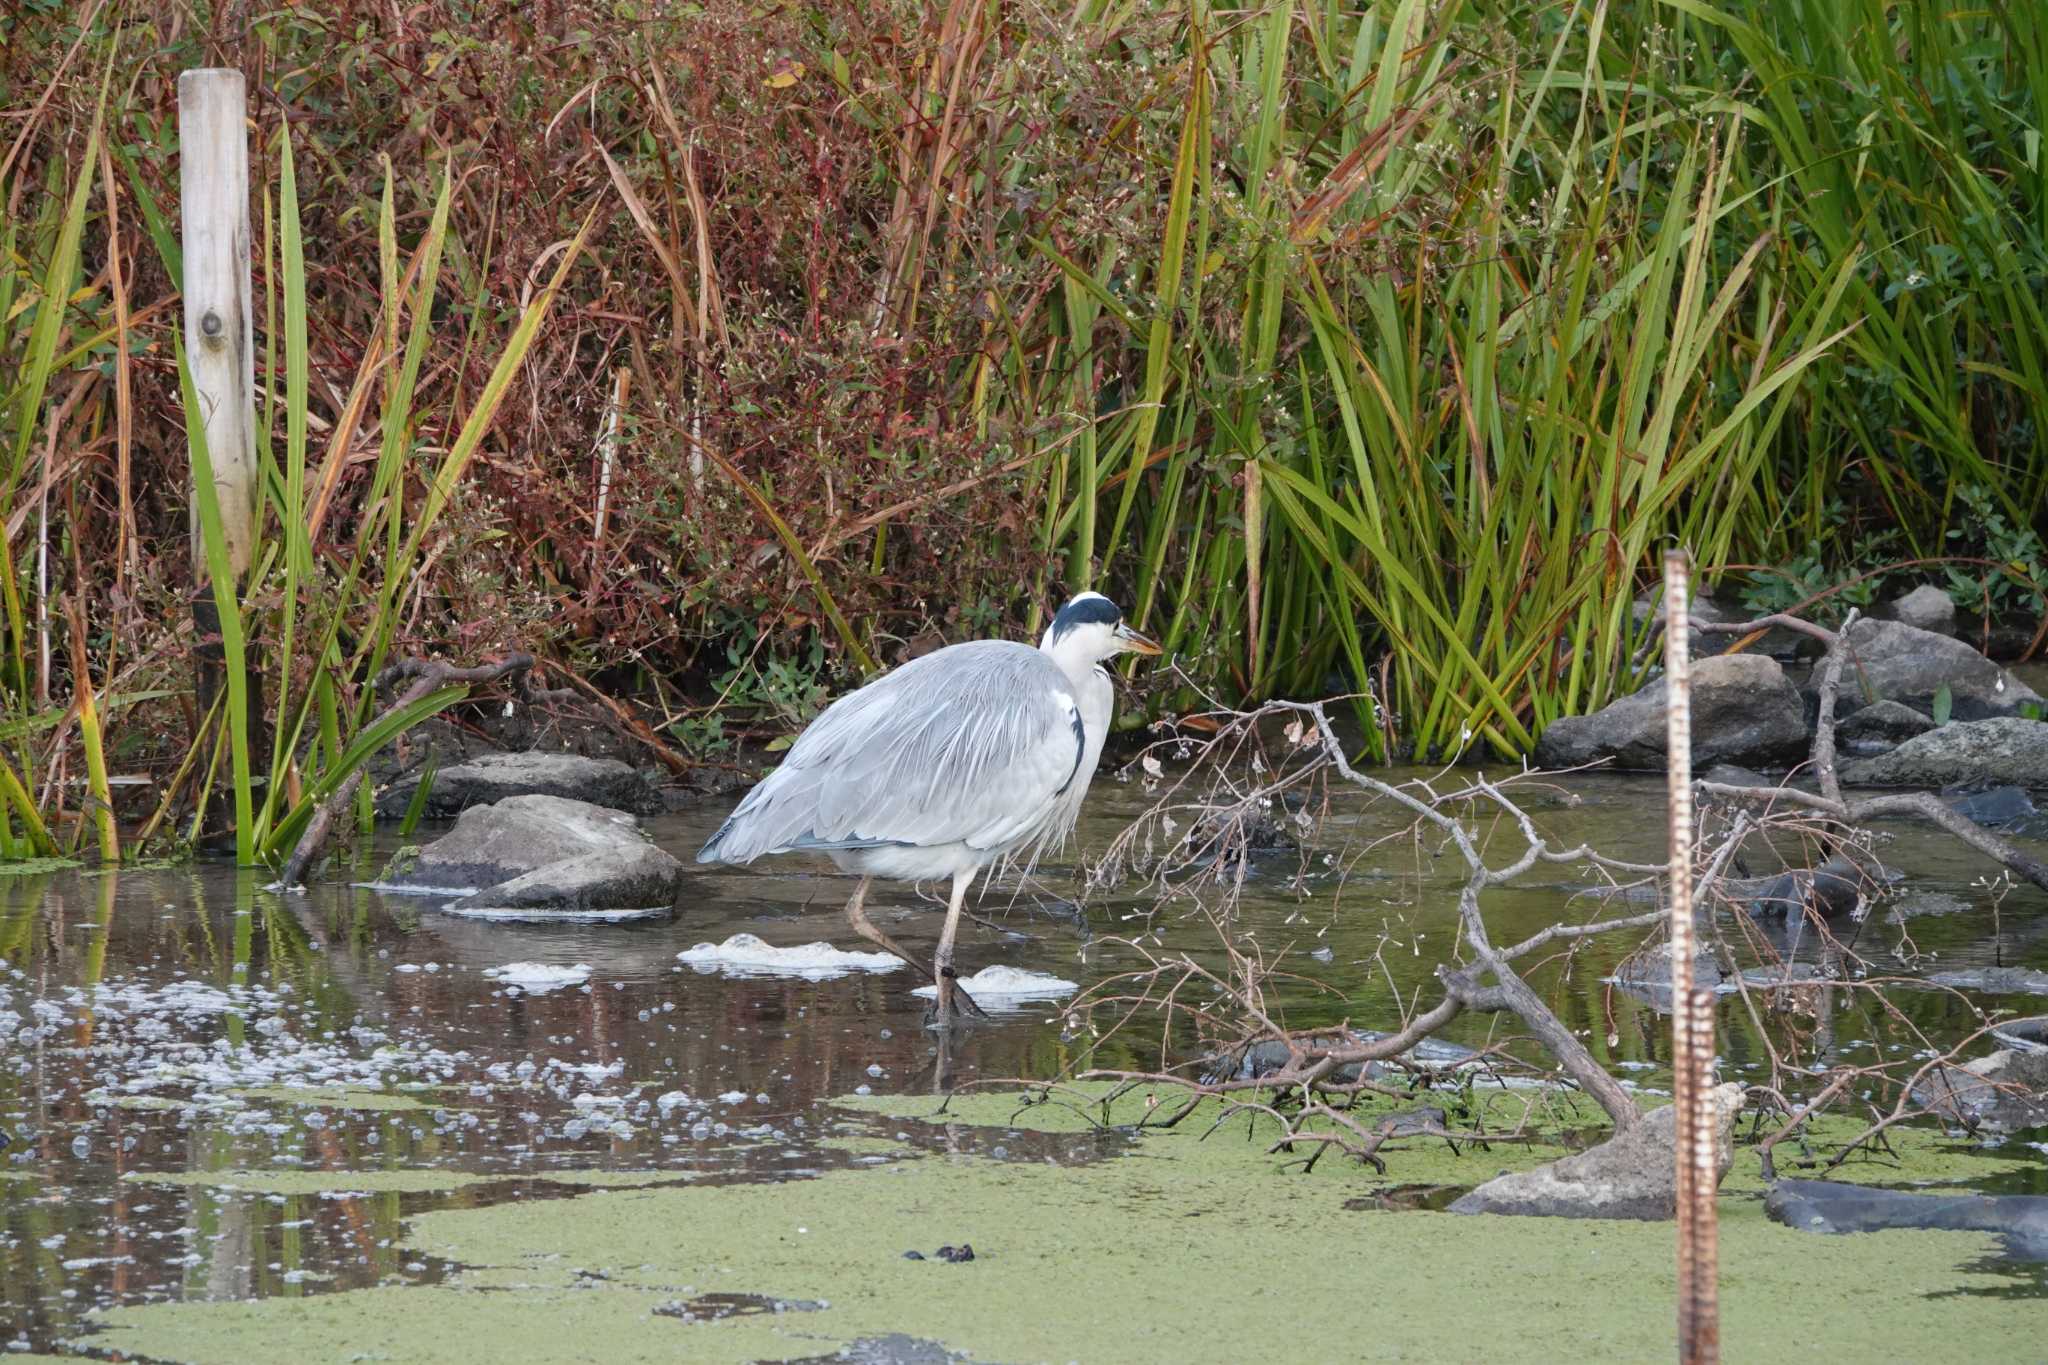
point(1827, 1206)
point(1994, 980)
point(1879, 728)
point(1734, 775)
point(2007, 808)
point(2026, 1035)
point(542, 852)
point(1833, 889)
point(1631, 1175)
point(1925, 608)
point(641, 878)
point(2008, 751)
point(1650, 968)
point(1744, 710)
point(1892, 661)
point(486, 778)
point(2007, 1090)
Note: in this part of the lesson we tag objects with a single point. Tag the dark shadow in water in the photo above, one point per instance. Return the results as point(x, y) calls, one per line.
point(714, 1307)
point(1409, 1199)
point(894, 1349)
point(2018, 1277)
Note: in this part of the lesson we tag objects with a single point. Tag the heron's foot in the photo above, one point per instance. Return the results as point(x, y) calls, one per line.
point(953, 1001)
point(857, 916)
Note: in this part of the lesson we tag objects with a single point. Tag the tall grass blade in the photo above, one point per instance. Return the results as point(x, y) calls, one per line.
point(220, 572)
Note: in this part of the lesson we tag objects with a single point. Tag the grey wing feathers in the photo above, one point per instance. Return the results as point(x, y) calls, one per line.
point(972, 744)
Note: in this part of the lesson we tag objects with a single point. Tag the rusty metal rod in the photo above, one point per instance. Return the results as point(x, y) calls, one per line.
point(1692, 1008)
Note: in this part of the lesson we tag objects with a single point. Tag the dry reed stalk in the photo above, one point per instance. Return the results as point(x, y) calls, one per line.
point(127, 555)
point(607, 454)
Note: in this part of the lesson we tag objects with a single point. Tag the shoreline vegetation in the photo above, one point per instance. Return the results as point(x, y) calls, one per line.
point(715, 359)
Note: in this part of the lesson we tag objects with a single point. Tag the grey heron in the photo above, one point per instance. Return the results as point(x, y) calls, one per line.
point(965, 756)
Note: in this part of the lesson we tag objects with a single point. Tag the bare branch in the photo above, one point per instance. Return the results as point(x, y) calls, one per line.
point(427, 675)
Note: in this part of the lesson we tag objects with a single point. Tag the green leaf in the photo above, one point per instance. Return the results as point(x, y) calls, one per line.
point(417, 807)
point(220, 570)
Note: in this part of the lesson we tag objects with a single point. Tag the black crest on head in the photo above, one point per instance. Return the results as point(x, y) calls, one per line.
point(1084, 609)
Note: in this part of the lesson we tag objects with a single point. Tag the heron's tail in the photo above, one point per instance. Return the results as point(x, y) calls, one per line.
point(711, 852)
point(768, 819)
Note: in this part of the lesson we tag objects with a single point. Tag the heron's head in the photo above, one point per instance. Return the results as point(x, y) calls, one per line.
point(1091, 628)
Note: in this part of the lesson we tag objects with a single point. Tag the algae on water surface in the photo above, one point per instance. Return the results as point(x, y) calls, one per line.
point(405, 1181)
point(1181, 1250)
point(1555, 1122)
point(599, 1180)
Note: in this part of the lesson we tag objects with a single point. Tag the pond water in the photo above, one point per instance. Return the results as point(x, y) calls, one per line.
point(212, 1092)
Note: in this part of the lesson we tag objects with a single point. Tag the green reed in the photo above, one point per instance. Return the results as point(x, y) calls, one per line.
point(1431, 352)
point(326, 625)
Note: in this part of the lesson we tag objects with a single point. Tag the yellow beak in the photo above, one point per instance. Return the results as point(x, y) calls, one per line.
point(1134, 643)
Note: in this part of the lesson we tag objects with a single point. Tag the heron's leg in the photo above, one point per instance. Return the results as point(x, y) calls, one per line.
point(857, 916)
point(942, 963)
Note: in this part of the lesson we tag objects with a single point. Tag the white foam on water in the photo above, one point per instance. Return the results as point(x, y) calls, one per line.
point(160, 1042)
point(395, 889)
point(538, 978)
point(746, 955)
point(1003, 987)
point(503, 915)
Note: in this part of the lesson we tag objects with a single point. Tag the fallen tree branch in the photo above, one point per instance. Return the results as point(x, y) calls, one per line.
point(1194, 839)
point(427, 675)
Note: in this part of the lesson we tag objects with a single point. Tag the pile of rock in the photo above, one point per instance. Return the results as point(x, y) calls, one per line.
point(1901, 669)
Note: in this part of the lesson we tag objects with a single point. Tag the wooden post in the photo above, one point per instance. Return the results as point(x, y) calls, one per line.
point(213, 179)
point(213, 200)
point(1692, 1007)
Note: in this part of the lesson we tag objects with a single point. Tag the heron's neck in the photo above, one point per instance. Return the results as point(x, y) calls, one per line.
point(1074, 660)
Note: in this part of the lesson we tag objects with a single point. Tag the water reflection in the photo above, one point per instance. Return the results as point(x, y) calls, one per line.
point(210, 1090)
